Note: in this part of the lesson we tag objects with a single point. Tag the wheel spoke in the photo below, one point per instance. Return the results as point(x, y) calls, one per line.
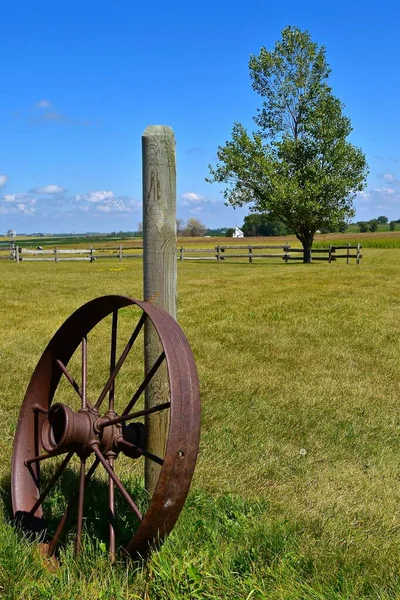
point(35, 476)
point(121, 360)
point(81, 498)
point(84, 371)
point(113, 356)
point(51, 483)
point(136, 415)
point(144, 383)
point(37, 459)
point(69, 377)
point(63, 520)
point(35, 470)
point(111, 506)
point(118, 483)
point(38, 408)
point(124, 444)
point(72, 380)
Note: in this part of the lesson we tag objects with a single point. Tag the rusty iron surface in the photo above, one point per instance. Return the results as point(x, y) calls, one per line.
point(48, 429)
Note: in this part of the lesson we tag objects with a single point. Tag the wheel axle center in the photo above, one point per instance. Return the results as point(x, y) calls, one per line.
point(65, 429)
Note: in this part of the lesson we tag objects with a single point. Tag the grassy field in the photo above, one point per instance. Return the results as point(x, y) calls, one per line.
point(296, 493)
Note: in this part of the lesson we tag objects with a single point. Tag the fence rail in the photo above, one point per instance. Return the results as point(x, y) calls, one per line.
point(218, 253)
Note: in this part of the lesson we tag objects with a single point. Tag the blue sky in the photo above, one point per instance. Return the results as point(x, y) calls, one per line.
point(80, 81)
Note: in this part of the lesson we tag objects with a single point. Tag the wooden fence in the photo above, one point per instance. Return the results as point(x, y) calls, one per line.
point(219, 253)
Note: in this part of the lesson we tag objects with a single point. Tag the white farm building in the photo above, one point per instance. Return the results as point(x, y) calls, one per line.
point(238, 233)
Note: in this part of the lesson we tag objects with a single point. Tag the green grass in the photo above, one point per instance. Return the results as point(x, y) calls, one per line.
point(291, 357)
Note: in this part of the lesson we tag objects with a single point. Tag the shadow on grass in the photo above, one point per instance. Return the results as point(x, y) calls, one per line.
point(96, 509)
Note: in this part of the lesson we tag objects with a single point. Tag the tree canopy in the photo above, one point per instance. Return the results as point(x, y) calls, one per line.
point(298, 165)
point(194, 228)
point(263, 224)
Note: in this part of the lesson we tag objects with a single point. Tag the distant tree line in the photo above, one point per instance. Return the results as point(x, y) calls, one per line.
point(264, 224)
point(373, 224)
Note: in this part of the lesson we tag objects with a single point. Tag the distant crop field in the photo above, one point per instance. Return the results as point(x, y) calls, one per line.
point(297, 488)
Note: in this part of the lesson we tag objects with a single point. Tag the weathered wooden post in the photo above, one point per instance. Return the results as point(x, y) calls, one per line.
point(159, 272)
point(348, 253)
point(120, 253)
point(358, 256)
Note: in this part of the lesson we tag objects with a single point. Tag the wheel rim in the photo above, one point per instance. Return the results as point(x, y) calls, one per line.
point(97, 429)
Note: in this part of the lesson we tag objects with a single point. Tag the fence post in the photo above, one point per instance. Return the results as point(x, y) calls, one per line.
point(91, 254)
point(159, 273)
point(218, 248)
point(348, 254)
point(286, 249)
point(17, 254)
point(358, 254)
point(182, 253)
point(250, 254)
point(120, 253)
point(330, 253)
point(55, 254)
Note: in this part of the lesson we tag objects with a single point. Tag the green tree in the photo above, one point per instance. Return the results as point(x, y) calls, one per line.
point(263, 224)
point(373, 225)
point(298, 165)
point(363, 226)
point(392, 226)
point(195, 228)
point(383, 220)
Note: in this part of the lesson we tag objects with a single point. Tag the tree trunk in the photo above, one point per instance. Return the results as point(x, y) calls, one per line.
point(307, 242)
point(307, 252)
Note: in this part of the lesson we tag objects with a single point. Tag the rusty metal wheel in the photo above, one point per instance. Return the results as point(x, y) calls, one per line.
point(97, 433)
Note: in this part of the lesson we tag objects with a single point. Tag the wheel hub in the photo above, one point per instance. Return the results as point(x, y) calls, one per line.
point(78, 431)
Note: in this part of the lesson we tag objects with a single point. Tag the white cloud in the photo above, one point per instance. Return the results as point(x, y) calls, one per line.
point(192, 197)
point(48, 189)
point(3, 180)
point(43, 104)
point(378, 201)
point(385, 191)
point(106, 202)
point(99, 196)
point(15, 197)
point(24, 208)
point(17, 203)
point(118, 205)
point(389, 177)
point(50, 201)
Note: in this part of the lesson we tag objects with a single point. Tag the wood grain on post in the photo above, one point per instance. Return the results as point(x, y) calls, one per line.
point(159, 273)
